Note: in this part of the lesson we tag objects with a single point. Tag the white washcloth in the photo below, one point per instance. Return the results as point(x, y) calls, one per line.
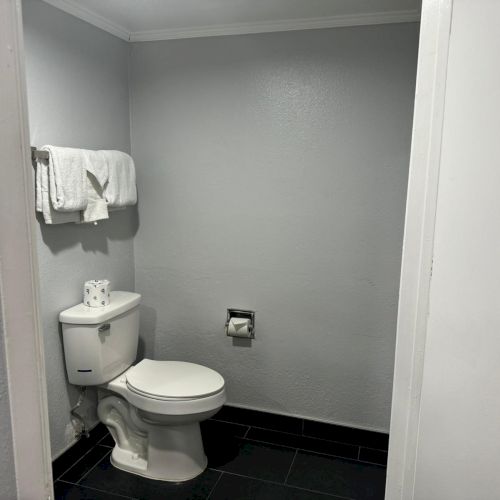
point(67, 178)
point(97, 208)
point(120, 190)
point(96, 163)
point(43, 203)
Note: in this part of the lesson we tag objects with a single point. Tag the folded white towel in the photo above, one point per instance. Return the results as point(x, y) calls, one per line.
point(120, 190)
point(43, 203)
point(96, 163)
point(97, 208)
point(67, 178)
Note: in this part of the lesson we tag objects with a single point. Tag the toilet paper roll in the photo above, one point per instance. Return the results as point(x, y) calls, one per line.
point(96, 293)
point(239, 327)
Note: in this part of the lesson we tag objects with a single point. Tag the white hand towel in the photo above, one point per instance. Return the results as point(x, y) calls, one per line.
point(43, 203)
point(67, 178)
point(96, 163)
point(120, 190)
point(97, 208)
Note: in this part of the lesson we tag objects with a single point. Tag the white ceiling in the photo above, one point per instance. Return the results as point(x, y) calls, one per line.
point(142, 20)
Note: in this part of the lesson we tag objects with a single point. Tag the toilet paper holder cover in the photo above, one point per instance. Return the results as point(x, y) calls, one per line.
point(241, 313)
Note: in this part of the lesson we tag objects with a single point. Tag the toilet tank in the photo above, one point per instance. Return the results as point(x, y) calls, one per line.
point(100, 342)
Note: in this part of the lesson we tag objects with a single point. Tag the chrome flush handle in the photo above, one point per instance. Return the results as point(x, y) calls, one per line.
point(104, 328)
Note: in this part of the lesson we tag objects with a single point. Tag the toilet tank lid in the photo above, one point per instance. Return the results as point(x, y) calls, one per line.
point(81, 314)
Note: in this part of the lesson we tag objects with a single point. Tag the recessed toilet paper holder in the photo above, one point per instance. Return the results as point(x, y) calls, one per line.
point(241, 313)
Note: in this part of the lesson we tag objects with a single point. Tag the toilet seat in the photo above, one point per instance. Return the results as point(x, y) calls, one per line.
point(173, 380)
point(142, 396)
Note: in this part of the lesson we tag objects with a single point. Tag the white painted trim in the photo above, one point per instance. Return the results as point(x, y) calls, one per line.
point(75, 9)
point(418, 244)
point(19, 271)
point(273, 26)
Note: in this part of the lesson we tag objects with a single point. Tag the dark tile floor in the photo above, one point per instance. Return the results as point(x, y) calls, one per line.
point(245, 463)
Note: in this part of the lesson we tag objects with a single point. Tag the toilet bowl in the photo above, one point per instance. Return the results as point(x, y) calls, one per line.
point(152, 409)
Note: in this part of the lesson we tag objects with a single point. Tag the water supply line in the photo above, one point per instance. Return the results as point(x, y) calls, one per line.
point(81, 428)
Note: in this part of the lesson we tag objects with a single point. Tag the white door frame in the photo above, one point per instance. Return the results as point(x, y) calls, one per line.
point(416, 269)
point(19, 276)
point(19, 272)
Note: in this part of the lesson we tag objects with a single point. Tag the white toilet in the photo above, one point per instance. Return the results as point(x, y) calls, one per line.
point(153, 409)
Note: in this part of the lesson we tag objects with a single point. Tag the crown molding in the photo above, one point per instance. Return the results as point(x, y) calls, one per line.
point(274, 26)
point(71, 7)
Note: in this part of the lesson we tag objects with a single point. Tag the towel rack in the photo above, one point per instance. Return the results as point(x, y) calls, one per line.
point(37, 154)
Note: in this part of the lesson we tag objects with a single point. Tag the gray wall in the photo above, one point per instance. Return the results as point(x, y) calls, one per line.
point(7, 469)
point(78, 96)
point(272, 176)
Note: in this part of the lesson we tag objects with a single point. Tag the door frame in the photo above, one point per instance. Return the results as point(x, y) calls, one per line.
point(418, 245)
point(19, 282)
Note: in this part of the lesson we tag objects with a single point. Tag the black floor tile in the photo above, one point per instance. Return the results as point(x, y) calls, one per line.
point(342, 434)
point(67, 491)
point(216, 430)
point(373, 456)
point(105, 477)
point(304, 443)
point(260, 419)
point(69, 457)
point(232, 487)
point(107, 441)
point(338, 476)
point(86, 463)
point(220, 440)
point(249, 458)
point(99, 431)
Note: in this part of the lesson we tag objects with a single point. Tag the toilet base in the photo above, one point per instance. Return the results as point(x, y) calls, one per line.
point(173, 453)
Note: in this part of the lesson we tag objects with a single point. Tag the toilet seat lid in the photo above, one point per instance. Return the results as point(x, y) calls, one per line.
point(173, 380)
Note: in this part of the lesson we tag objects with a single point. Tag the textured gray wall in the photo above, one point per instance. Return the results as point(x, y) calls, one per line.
point(78, 96)
point(272, 176)
point(7, 469)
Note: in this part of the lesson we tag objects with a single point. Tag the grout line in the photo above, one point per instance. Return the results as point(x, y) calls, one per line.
point(302, 427)
point(215, 485)
point(105, 445)
point(74, 463)
point(295, 434)
point(97, 489)
point(102, 439)
point(93, 467)
point(359, 451)
point(228, 422)
point(298, 448)
point(368, 461)
point(287, 486)
point(373, 463)
point(375, 449)
point(319, 492)
point(247, 431)
point(249, 477)
point(253, 425)
point(291, 465)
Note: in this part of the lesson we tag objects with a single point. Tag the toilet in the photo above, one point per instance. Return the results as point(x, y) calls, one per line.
point(152, 409)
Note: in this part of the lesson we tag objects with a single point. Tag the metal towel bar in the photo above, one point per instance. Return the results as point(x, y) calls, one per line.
point(37, 154)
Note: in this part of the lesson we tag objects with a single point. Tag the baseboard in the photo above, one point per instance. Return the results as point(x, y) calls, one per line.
point(303, 417)
point(306, 428)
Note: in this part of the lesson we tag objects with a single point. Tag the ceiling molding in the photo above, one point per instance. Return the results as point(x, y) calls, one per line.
point(273, 26)
point(71, 7)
